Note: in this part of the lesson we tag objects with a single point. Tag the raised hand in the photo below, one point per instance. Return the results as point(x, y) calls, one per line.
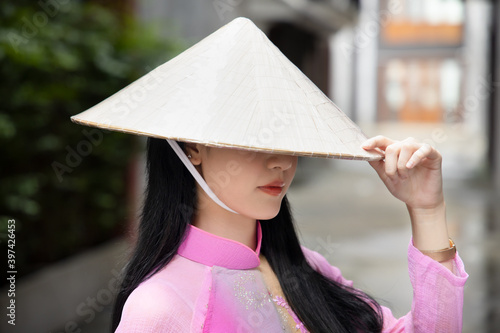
point(411, 171)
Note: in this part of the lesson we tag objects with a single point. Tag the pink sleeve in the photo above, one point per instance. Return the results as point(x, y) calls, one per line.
point(321, 265)
point(154, 308)
point(437, 303)
point(438, 296)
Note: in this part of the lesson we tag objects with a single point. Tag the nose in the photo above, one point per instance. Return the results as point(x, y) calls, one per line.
point(284, 162)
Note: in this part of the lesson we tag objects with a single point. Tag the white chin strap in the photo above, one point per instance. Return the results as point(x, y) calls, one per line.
point(197, 175)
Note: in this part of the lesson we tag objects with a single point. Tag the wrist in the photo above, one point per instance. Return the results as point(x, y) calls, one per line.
point(428, 215)
point(429, 227)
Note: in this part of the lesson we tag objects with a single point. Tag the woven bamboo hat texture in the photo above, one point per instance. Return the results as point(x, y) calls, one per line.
point(233, 89)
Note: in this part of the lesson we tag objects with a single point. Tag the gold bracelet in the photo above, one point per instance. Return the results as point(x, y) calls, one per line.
point(442, 255)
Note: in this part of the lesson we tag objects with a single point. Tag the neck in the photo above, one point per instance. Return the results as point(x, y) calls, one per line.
point(214, 219)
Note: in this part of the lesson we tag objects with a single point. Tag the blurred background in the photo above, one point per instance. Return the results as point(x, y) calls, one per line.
point(429, 69)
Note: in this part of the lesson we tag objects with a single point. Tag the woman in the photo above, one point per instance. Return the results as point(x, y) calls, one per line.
point(155, 295)
point(221, 254)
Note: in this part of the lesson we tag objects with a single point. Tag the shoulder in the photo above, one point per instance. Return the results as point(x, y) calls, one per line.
point(321, 265)
point(164, 302)
point(154, 307)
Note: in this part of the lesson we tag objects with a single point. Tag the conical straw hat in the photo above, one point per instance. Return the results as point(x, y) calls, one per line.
point(232, 89)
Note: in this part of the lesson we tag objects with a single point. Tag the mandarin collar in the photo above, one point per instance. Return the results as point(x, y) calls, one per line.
point(212, 250)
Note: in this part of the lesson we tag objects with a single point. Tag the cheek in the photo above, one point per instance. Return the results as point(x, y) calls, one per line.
point(241, 183)
point(227, 179)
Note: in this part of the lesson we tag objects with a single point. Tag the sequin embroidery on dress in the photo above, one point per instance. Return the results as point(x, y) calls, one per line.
point(240, 303)
point(282, 306)
point(249, 298)
point(261, 315)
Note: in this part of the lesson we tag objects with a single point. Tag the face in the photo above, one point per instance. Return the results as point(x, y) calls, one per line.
point(239, 177)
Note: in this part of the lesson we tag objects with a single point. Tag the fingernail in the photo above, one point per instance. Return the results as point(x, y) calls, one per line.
point(367, 143)
point(410, 164)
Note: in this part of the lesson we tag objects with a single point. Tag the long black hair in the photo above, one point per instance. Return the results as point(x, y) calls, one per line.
point(321, 304)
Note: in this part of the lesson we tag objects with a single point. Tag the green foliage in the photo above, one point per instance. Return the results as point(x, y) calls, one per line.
point(50, 70)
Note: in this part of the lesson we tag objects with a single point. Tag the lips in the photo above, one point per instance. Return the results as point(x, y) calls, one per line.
point(276, 183)
point(274, 188)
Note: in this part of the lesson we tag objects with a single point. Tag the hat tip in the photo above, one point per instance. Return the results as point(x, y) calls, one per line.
point(242, 20)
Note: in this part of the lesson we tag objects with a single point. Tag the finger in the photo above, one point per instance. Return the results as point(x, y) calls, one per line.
point(425, 151)
point(391, 160)
point(378, 141)
point(407, 149)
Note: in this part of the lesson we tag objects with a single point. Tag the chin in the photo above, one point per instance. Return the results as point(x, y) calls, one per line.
point(260, 210)
point(268, 215)
point(259, 214)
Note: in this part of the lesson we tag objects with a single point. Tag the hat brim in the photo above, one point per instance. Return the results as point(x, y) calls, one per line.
point(368, 156)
